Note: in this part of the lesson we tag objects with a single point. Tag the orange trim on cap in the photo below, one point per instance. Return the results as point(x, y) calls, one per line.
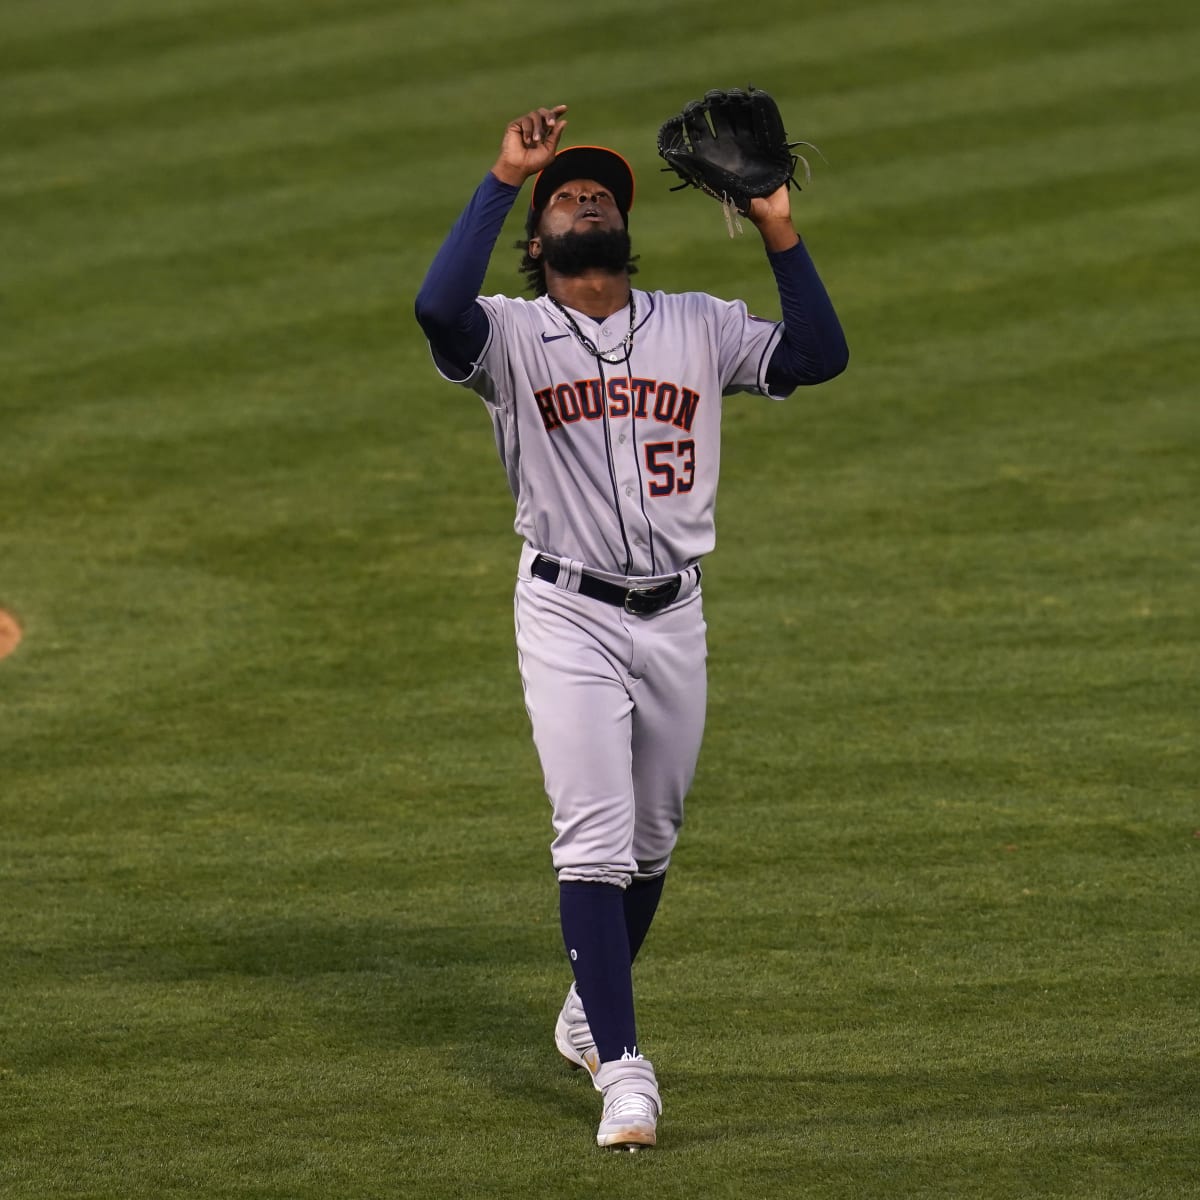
point(603, 149)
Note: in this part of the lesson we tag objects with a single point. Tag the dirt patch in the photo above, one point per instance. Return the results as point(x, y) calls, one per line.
point(10, 633)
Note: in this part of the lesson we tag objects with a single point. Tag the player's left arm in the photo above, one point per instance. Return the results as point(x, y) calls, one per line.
point(813, 347)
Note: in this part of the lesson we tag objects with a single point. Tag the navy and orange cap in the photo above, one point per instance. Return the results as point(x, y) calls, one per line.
point(583, 162)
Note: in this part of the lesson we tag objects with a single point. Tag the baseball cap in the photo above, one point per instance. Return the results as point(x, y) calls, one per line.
point(584, 162)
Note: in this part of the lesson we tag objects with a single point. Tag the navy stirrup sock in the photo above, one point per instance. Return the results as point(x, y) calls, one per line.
point(593, 926)
point(641, 903)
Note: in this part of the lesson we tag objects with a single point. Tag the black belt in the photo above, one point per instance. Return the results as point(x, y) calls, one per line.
point(641, 601)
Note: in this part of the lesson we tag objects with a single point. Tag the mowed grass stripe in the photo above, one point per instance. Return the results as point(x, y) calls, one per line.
point(237, 288)
point(201, 295)
point(237, 256)
point(315, 148)
point(336, 327)
point(131, 33)
point(56, 245)
point(359, 56)
point(237, 234)
point(33, 21)
point(977, 260)
point(362, 54)
point(1028, 461)
point(1170, 273)
point(942, 504)
point(929, 409)
point(1087, 112)
point(361, 325)
point(181, 312)
point(1079, 340)
point(381, 48)
point(1019, 363)
point(221, 42)
point(282, 165)
point(304, 169)
point(108, 151)
point(847, 220)
point(1000, 90)
point(1026, 164)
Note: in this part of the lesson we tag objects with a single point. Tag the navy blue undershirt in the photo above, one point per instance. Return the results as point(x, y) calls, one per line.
point(811, 350)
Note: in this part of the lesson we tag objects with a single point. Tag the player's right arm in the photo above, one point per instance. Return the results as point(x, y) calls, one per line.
point(456, 326)
point(529, 145)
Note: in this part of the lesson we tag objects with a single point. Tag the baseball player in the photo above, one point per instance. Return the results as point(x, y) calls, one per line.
point(605, 401)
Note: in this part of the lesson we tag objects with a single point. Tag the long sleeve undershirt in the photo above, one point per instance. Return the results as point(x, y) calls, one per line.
point(812, 347)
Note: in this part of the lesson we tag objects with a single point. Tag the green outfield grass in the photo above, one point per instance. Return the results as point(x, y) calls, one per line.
point(276, 912)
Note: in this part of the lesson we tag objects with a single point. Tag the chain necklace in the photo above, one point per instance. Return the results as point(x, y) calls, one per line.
point(614, 354)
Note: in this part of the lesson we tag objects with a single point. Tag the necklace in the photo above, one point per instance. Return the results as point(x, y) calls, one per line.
point(614, 354)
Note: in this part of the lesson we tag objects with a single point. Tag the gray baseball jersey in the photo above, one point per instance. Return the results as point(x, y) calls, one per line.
point(615, 464)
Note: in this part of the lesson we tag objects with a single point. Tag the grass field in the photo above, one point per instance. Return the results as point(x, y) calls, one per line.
point(276, 913)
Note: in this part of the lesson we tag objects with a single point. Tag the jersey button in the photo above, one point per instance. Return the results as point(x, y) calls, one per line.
point(629, 491)
point(621, 439)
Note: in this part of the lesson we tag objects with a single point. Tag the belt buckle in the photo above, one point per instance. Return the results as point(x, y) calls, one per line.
point(643, 602)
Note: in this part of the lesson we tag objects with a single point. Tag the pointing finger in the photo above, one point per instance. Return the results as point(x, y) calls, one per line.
point(545, 119)
point(555, 135)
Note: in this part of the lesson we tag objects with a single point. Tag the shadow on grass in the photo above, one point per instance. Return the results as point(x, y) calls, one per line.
point(487, 992)
point(1071, 1094)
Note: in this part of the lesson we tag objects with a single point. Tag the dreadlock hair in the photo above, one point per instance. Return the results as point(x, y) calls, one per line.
point(534, 269)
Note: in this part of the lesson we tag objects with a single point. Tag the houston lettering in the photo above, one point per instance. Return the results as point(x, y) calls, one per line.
point(668, 403)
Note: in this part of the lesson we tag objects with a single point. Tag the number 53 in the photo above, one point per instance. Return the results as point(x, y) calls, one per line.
point(672, 476)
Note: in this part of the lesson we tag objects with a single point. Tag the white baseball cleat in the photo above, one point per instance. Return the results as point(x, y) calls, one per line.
point(631, 1103)
point(573, 1037)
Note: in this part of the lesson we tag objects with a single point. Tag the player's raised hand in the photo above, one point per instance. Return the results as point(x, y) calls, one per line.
point(530, 143)
point(773, 217)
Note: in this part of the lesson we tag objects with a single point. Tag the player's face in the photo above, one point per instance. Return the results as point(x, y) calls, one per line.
point(578, 206)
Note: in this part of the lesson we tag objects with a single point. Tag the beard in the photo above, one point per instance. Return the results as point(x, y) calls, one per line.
point(596, 249)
